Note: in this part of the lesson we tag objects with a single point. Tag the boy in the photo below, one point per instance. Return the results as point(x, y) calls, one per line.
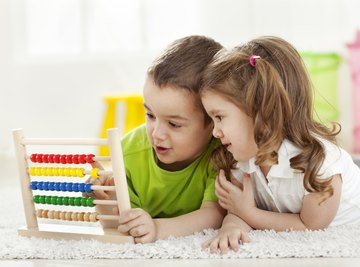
point(171, 183)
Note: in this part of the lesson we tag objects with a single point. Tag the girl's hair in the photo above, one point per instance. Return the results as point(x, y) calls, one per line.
point(183, 63)
point(277, 93)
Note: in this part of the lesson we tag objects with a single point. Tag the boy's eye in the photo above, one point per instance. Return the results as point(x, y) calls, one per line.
point(149, 115)
point(174, 125)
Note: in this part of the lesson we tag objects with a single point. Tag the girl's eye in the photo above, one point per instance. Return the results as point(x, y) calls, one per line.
point(218, 117)
point(174, 125)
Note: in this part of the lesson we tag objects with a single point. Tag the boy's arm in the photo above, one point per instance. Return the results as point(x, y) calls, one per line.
point(210, 215)
point(146, 229)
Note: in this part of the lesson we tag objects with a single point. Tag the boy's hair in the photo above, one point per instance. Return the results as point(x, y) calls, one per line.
point(182, 65)
point(277, 84)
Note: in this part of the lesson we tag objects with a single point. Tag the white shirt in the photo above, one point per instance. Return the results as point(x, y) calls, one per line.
point(283, 190)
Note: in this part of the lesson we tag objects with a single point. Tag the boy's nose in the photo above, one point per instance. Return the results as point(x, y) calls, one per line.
point(158, 133)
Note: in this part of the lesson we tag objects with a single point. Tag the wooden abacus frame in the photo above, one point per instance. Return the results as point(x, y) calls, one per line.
point(72, 232)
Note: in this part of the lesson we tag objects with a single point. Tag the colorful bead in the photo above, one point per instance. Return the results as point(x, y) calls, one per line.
point(75, 159)
point(69, 159)
point(94, 172)
point(88, 188)
point(82, 159)
point(45, 158)
point(63, 159)
point(33, 157)
point(51, 158)
point(89, 158)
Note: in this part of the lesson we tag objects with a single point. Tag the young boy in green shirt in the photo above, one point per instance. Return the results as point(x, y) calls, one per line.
point(171, 183)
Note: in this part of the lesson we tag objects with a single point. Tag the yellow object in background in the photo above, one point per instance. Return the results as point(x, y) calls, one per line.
point(134, 114)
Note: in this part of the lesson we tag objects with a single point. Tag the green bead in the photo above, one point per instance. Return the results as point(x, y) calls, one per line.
point(84, 201)
point(90, 201)
point(42, 199)
point(48, 199)
point(71, 201)
point(36, 199)
point(77, 201)
point(66, 201)
point(54, 200)
point(59, 201)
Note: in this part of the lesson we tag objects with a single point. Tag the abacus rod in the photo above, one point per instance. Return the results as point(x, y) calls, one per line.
point(105, 202)
point(108, 217)
point(103, 187)
point(65, 141)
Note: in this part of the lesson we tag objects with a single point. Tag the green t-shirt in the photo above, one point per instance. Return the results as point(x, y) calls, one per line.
point(162, 193)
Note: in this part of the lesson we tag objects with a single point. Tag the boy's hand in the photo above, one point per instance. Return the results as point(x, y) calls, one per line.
point(236, 197)
point(102, 180)
point(139, 224)
point(228, 236)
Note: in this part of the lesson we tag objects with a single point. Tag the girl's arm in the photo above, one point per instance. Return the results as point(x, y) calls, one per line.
point(312, 215)
point(232, 233)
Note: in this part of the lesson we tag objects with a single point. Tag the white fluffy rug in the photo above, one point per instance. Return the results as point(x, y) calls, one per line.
point(333, 242)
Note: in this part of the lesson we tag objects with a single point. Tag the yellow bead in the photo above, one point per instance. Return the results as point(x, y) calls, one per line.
point(61, 171)
point(32, 171)
point(80, 172)
point(67, 172)
point(56, 171)
point(50, 171)
point(43, 171)
point(37, 171)
point(73, 172)
point(94, 172)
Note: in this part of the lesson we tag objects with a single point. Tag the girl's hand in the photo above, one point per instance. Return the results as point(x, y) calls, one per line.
point(228, 236)
point(139, 224)
point(233, 196)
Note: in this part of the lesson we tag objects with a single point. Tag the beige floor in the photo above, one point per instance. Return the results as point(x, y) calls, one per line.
point(9, 177)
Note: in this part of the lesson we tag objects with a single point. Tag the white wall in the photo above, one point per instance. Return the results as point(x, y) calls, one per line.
point(61, 97)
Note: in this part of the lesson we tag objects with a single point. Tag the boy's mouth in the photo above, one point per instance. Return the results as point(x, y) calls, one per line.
point(161, 150)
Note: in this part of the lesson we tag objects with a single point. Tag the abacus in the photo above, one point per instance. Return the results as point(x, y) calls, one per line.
point(82, 221)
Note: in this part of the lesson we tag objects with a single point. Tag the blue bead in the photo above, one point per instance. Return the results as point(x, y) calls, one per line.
point(46, 186)
point(51, 186)
point(88, 188)
point(75, 187)
point(33, 185)
point(57, 186)
point(82, 187)
point(40, 185)
point(69, 187)
point(63, 187)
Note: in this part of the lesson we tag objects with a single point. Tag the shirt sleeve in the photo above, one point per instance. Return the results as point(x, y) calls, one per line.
point(209, 193)
point(334, 163)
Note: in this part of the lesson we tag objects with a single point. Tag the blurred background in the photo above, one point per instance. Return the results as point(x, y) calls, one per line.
point(60, 58)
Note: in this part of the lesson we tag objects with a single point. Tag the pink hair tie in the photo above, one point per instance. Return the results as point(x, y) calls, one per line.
point(252, 60)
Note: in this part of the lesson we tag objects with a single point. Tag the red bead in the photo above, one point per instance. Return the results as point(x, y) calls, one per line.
point(33, 157)
point(45, 158)
point(63, 159)
point(76, 159)
point(39, 158)
point(69, 158)
point(51, 158)
point(82, 158)
point(89, 158)
point(57, 158)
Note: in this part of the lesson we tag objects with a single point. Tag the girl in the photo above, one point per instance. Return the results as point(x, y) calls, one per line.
point(291, 174)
